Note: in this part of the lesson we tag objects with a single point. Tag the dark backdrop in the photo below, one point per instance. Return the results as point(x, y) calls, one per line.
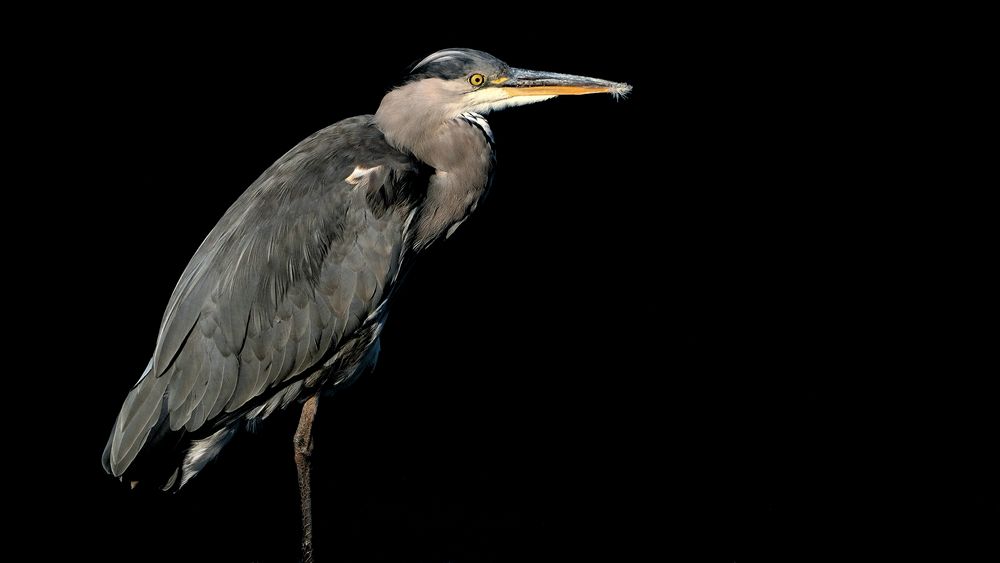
point(654, 336)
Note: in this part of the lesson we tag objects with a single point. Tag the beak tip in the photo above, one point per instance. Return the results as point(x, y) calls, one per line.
point(620, 89)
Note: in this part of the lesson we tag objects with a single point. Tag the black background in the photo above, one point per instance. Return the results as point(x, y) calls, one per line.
point(670, 328)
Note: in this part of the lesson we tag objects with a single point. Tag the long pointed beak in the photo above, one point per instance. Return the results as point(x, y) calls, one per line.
point(520, 82)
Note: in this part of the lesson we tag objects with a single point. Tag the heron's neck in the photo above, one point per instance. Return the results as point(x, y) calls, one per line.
point(411, 117)
point(458, 148)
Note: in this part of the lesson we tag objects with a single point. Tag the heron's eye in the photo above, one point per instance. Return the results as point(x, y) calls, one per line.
point(477, 79)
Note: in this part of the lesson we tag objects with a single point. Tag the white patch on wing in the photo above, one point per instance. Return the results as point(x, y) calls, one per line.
point(360, 172)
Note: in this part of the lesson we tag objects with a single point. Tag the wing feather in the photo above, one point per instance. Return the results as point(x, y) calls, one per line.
point(288, 275)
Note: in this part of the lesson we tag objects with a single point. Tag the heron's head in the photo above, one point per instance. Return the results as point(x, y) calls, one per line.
point(454, 81)
point(469, 80)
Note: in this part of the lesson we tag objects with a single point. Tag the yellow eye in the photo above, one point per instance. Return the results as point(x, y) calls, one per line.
point(477, 79)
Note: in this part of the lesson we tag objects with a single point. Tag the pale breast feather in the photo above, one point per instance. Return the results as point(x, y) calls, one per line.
point(480, 122)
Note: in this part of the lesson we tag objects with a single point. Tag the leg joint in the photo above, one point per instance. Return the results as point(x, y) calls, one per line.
point(303, 445)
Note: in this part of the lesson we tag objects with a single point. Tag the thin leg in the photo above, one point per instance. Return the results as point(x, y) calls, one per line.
point(303, 442)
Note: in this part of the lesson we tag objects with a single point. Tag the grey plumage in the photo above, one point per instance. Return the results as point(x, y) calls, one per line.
point(288, 278)
point(288, 294)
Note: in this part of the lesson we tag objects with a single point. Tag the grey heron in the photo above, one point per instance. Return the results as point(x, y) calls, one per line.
point(286, 297)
